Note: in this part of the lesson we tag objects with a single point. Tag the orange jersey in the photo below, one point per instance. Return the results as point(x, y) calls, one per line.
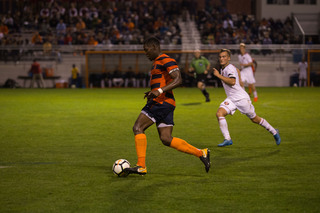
point(162, 66)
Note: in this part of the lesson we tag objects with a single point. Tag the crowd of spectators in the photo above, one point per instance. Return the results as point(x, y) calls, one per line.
point(96, 22)
point(93, 22)
point(217, 26)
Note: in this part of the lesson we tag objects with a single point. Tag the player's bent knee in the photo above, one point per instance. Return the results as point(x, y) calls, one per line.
point(256, 120)
point(220, 114)
point(166, 143)
point(166, 140)
point(137, 129)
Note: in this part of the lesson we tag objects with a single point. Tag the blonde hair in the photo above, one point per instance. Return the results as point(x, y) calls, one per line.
point(227, 51)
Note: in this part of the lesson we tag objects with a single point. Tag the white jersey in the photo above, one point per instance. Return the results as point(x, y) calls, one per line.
point(246, 72)
point(235, 92)
point(245, 59)
point(303, 70)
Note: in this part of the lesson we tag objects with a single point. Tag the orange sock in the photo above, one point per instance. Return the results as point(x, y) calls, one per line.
point(183, 146)
point(141, 148)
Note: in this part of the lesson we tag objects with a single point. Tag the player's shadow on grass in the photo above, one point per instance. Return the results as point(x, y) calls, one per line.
point(191, 104)
point(222, 161)
point(140, 191)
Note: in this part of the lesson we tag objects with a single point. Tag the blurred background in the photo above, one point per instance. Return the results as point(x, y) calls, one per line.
point(103, 39)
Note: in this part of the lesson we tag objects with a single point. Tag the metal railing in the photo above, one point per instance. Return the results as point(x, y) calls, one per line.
point(298, 29)
point(139, 47)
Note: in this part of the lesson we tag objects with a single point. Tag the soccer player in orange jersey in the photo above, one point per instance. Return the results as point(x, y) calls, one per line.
point(165, 76)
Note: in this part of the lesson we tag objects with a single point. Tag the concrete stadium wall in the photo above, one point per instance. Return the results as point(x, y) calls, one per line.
point(63, 69)
point(269, 73)
point(281, 12)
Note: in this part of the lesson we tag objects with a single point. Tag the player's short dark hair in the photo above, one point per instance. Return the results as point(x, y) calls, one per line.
point(227, 51)
point(152, 41)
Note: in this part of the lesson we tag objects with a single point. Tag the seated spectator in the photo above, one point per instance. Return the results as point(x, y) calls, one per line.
point(3, 28)
point(227, 22)
point(130, 25)
point(79, 40)
point(210, 39)
point(68, 39)
point(80, 25)
point(44, 28)
point(309, 41)
point(115, 35)
point(60, 40)
point(157, 24)
point(36, 38)
point(9, 21)
point(47, 48)
point(92, 41)
point(266, 41)
point(61, 28)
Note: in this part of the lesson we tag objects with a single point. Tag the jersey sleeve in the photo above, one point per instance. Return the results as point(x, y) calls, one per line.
point(231, 72)
point(170, 65)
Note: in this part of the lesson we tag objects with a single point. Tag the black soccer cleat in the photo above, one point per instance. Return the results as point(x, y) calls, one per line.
point(136, 170)
point(205, 158)
point(207, 98)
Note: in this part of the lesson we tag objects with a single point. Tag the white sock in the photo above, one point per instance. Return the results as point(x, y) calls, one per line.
point(255, 94)
point(267, 126)
point(224, 128)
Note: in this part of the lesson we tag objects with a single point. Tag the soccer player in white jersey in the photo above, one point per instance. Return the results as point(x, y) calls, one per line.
point(247, 76)
point(237, 98)
point(303, 66)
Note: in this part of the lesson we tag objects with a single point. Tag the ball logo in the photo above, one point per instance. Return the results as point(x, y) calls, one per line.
point(226, 103)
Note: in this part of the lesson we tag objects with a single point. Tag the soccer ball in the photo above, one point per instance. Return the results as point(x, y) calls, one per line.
point(119, 166)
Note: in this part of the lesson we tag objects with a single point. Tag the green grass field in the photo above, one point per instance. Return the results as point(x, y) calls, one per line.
point(57, 148)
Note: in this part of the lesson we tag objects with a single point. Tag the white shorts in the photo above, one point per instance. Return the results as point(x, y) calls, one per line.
point(244, 106)
point(247, 76)
point(303, 75)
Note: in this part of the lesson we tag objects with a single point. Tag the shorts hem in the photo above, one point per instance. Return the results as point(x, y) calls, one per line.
point(146, 114)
